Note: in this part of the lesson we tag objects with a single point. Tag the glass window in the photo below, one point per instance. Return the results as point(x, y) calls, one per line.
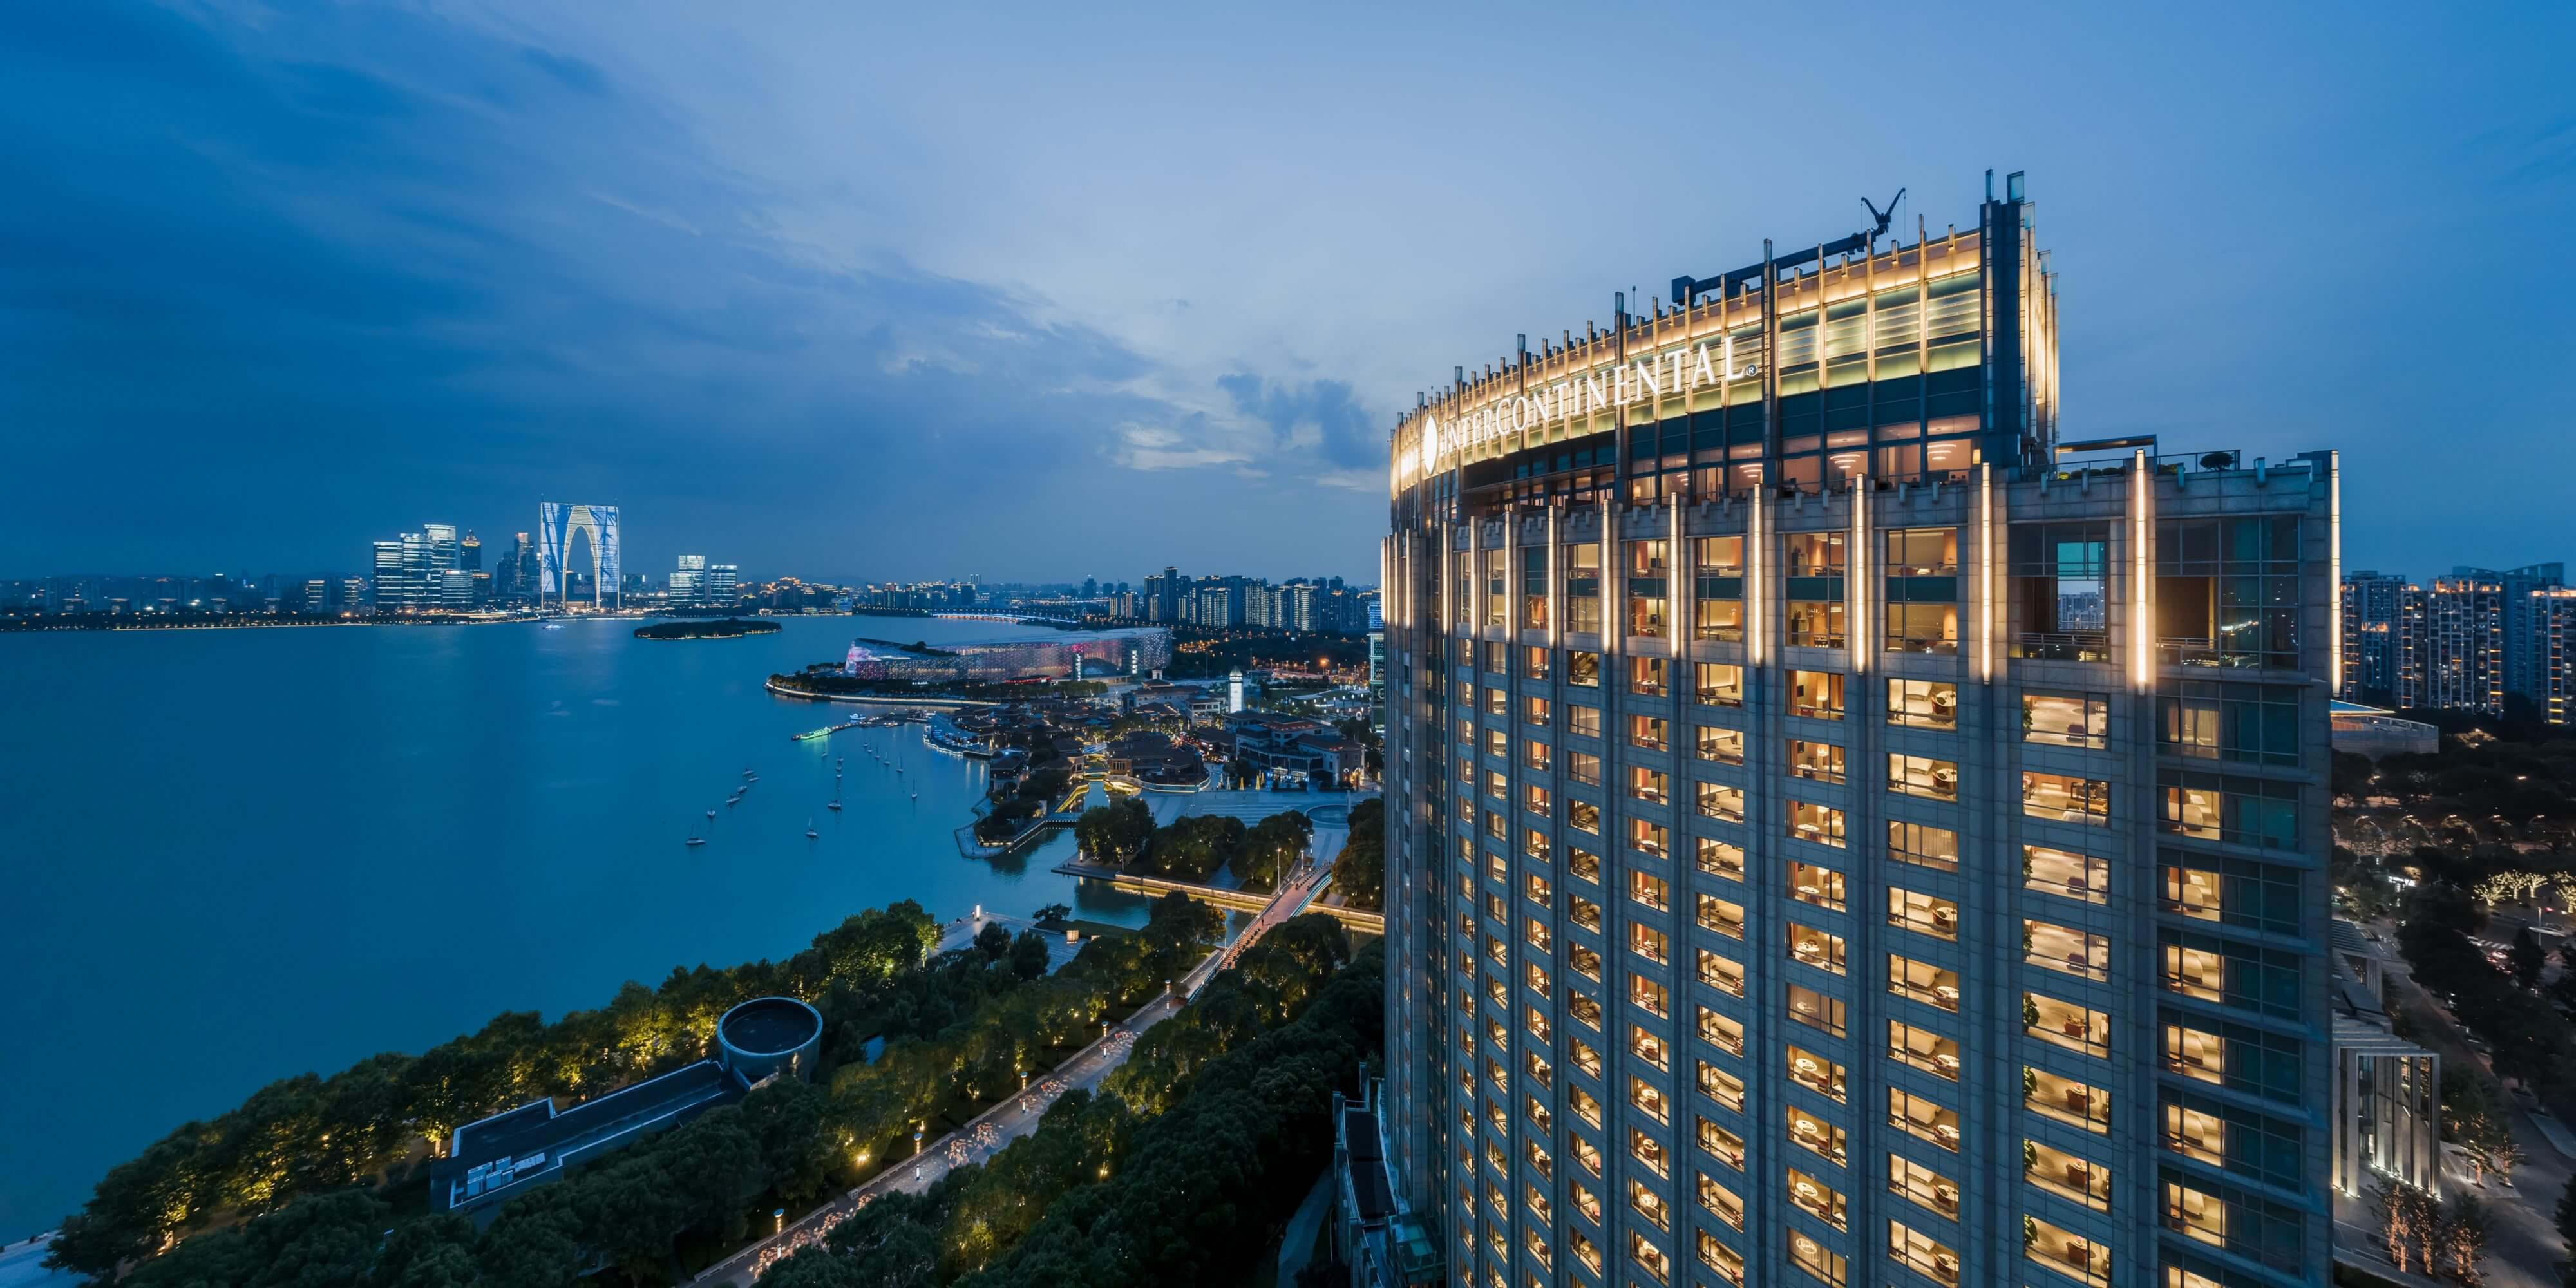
point(1648, 732)
point(1721, 1032)
point(2066, 1252)
point(1825, 1264)
point(2232, 974)
point(1818, 1135)
point(1722, 973)
point(2248, 724)
point(2236, 892)
point(1583, 588)
point(1923, 552)
point(2064, 872)
point(1816, 623)
point(1719, 1085)
point(2060, 948)
point(2066, 719)
point(1649, 676)
point(1721, 1202)
point(1923, 704)
point(1722, 916)
point(1817, 1073)
point(1583, 669)
point(1821, 886)
point(1922, 628)
point(1720, 858)
point(1719, 684)
point(2061, 590)
point(2065, 1100)
point(1718, 613)
point(1723, 1145)
point(1925, 1187)
point(1720, 801)
point(2231, 808)
point(2227, 591)
point(1923, 776)
point(1724, 746)
point(1923, 845)
point(1923, 1117)
point(1815, 554)
point(1923, 981)
point(1816, 694)
point(1814, 947)
point(1816, 1010)
point(1818, 823)
point(1815, 1198)
point(1650, 890)
point(1924, 1049)
point(1821, 761)
point(2066, 798)
point(1922, 913)
point(1649, 588)
point(1648, 784)
point(1583, 721)
point(2065, 1024)
point(1649, 837)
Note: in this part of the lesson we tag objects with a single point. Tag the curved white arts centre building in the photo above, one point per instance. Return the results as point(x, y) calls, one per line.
point(1838, 832)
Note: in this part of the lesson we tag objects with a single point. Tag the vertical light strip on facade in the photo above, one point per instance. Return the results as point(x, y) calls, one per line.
point(1753, 616)
point(2141, 672)
point(1555, 604)
point(1677, 603)
point(1985, 573)
point(2334, 570)
point(1856, 577)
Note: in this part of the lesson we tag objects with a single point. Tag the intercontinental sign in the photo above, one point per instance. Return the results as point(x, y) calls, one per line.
point(1483, 430)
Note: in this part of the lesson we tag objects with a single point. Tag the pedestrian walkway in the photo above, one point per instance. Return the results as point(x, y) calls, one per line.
point(978, 1140)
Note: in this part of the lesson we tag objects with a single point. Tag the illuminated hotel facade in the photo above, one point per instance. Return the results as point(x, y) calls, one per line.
point(1838, 834)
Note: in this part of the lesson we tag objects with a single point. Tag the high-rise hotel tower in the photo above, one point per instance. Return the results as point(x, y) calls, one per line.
point(1840, 834)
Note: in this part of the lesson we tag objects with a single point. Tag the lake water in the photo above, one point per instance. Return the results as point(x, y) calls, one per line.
point(230, 856)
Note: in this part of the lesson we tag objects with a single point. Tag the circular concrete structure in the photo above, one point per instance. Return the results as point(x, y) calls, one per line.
point(767, 1034)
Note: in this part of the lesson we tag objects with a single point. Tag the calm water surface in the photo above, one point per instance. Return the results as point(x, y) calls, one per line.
point(229, 856)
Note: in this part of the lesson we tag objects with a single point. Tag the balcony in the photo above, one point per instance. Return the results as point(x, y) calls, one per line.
point(2062, 646)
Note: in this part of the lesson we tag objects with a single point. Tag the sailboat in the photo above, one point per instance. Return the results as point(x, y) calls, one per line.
point(695, 839)
point(810, 833)
point(711, 814)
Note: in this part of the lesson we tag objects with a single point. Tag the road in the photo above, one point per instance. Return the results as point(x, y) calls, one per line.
point(2524, 1244)
point(973, 1143)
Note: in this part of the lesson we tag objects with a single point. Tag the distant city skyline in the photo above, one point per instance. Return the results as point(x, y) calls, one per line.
point(441, 264)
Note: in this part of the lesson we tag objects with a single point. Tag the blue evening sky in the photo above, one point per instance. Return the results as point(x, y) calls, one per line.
point(930, 290)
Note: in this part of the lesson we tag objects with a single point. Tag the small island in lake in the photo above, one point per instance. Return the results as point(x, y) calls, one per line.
point(722, 628)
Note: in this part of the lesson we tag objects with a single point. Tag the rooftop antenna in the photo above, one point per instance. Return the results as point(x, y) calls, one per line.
point(1881, 216)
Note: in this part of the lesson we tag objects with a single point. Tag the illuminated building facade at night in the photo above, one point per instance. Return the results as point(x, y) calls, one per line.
point(1838, 833)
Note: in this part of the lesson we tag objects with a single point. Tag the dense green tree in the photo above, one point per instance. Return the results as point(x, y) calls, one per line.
point(1359, 872)
point(994, 941)
point(2526, 957)
point(1215, 1173)
point(1271, 848)
point(1110, 833)
point(311, 1136)
point(1190, 848)
point(1029, 954)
